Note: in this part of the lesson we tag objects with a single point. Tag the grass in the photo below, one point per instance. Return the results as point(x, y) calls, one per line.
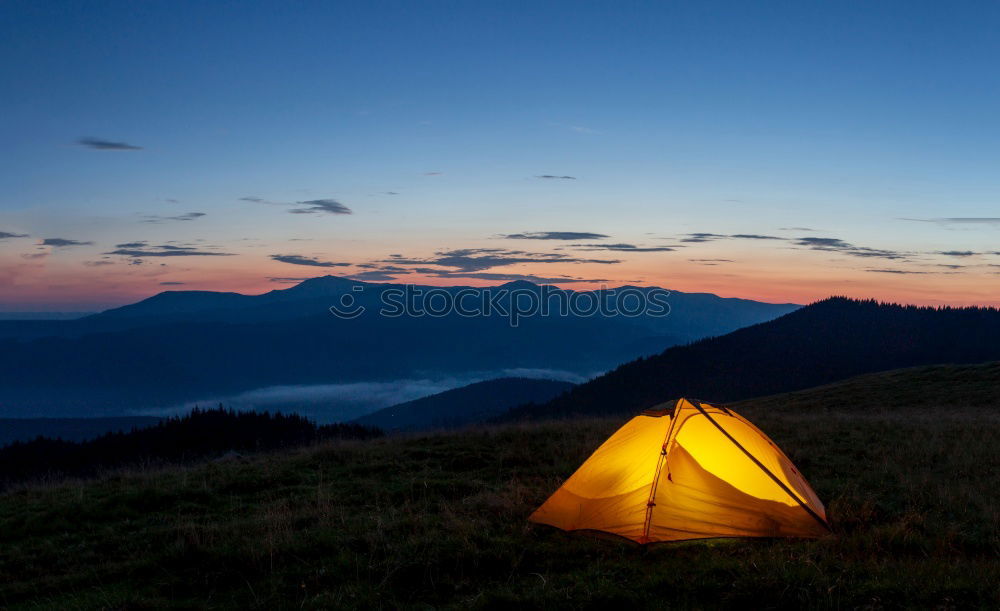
point(438, 521)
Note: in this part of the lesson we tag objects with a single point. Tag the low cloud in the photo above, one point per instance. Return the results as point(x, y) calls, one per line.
point(624, 247)
point(171, 283)
point(98, 263)
point(166, 250)
point(328, 403)
point(312, 206)
point(107, 145)
point(959, 220)
point(513, 277)
point(63, 242)
point(894, 271)
point(481, 259)
point(554, 235)
point(320, 206)
point(840, 246)
point(310, 261)
point(190, 216)
point(554, 177)
point(702, 237)
point(393, 272)
point(823, 243)
point(711, 237)
point(957, 253)
point(836, 245)
point(754, 236)
point(6, 235)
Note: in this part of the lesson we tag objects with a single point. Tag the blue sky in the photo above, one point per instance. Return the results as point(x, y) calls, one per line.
point(432, 122)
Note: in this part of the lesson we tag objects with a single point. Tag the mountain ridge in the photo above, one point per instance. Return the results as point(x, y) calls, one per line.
point(184, 346)
point(828, 340)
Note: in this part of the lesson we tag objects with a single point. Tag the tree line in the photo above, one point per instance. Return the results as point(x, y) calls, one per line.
point(198, 435)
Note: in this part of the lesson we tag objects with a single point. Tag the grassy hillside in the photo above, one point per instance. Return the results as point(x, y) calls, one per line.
point(936, 387)
point(440, 521)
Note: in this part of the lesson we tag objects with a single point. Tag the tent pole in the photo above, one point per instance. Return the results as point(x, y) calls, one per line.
point(656, 475)
point(780, 483)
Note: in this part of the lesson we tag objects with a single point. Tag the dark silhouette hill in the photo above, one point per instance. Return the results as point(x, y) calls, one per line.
point(469, 404)
point(821, 343)
point(195, 345)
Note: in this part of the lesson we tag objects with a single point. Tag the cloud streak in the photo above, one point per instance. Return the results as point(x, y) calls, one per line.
point(711, 237)
point(320, 206)
point(624, 247)
point(554, 235)
point(959, 220)
point(106, 145)
point(840, 246)
point(63, 242)
point(312, 206)
point(514, 277)
point(190, 216)
point(6, 235)
point(481, 259)
point(303, 260)
point(165, 250)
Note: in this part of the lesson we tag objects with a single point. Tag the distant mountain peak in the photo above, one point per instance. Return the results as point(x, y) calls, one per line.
point(519, 284)
point(327, 280)
point(323, 285)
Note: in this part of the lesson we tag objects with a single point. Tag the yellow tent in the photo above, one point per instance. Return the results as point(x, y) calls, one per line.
point(692, 471)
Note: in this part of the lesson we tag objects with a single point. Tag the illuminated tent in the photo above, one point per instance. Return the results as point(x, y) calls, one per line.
point(692, 471)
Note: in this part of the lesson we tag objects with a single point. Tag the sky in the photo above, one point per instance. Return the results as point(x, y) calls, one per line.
point(781, 151)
